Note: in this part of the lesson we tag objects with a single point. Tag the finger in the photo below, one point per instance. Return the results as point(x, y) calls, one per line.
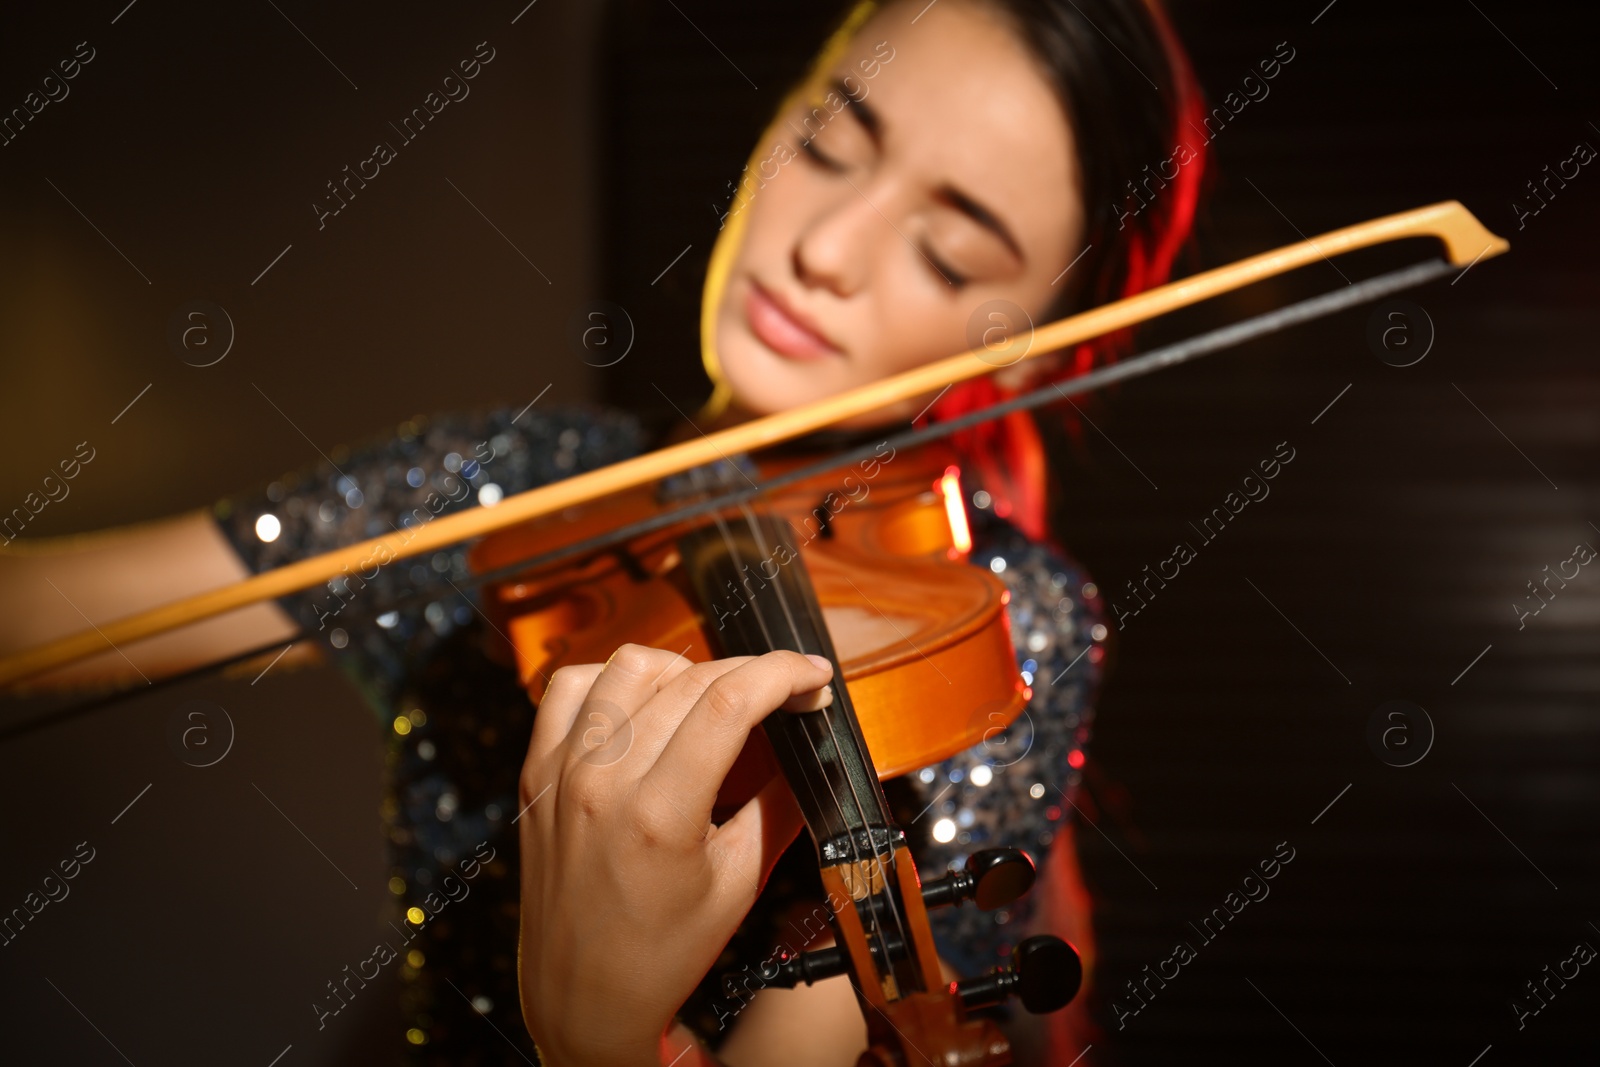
point(607, 725)
point(562, 698)
point(633, 675)
point(705, 745)
point(668, 708)
point(757, 835)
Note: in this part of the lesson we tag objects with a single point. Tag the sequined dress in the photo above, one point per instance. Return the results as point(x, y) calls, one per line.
point(457, 723)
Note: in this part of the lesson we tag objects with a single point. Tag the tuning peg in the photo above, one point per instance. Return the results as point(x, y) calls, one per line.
point(1044, 973)
point(994, 877)
point(785, 971)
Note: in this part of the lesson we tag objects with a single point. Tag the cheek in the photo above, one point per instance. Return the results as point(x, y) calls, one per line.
point(777, 198)
point(910, 327)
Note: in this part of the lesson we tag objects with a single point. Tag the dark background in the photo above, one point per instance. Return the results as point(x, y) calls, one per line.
point(1387, 558)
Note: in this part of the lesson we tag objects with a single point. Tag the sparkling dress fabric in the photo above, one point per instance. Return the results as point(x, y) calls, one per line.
point(457, 723)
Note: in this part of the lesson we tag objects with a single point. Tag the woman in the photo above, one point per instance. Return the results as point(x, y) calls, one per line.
point(939, 158)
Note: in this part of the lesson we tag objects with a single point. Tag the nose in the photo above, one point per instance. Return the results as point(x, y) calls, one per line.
point(834, 252)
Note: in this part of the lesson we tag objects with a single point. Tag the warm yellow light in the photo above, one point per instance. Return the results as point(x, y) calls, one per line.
point(416, 916)
point(397, 885)
point(402, 725)
point(416, 1037)
point(415, 958)
point(955, 510)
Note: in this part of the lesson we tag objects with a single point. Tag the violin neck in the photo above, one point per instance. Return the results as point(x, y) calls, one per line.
point(757, 597)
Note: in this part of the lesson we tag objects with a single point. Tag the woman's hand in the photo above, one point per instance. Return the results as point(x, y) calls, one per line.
point(629, 892)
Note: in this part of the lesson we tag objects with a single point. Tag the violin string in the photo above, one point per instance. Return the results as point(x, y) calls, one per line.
point(730, 545)
point(855, 797)
point(816, 799)
point(732, 549)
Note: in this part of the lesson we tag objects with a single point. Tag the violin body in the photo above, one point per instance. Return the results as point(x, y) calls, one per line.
point(923, 636)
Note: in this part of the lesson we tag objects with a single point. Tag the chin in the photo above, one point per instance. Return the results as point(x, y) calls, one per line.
point(762, 390)
point(764, 382)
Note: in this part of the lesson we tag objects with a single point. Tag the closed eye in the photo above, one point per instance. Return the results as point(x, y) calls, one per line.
point(944, 270)
point(827, 162)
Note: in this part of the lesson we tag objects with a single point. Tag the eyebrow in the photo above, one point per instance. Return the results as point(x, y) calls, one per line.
point(946, 193)
point(865, 115)
point(981, 215)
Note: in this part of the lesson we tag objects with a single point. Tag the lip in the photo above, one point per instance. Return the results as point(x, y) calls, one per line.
point(783, 329)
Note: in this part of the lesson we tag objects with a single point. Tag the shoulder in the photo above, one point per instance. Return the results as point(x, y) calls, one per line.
point(1039, 572)
point(551, 442)
point(1057, 613)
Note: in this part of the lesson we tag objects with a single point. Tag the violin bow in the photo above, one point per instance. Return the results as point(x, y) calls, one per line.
point(1465, 242)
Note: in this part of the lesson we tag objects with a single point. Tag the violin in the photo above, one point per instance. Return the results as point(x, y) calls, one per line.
point(868, 569)
point(689, 548)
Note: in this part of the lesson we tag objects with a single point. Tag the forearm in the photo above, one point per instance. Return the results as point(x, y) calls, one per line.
point(53, 587)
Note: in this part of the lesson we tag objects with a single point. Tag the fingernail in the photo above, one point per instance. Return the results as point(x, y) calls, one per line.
point(821, 661)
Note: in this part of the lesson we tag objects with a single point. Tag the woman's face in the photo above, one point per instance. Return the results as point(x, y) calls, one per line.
point(939, 176)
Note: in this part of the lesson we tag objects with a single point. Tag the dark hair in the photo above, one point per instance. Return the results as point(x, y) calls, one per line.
point(1128, 91)
point(1126, 86)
